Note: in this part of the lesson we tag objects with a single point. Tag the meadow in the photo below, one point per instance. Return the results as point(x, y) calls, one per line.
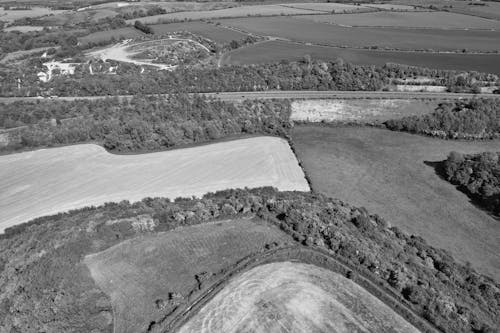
point(12, 15)
point(390, 174)
point(217, 34)
point(307, 31)
point(295, 297)
point(111, 35)
point(275, 51)
point(72, 177)
point(175, 262)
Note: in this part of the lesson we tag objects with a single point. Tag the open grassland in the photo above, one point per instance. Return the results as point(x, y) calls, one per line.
point(487, 9)
point(330, 7)
point(24, 28)
point(275, 51)
point(434, 20)
point(210, 31)
point(12, 15)
point(295, 297)
point(257, 10)
point(385, 172)
point(110, 35)
point(53, 180)
point(160, 271)
point(307, 31)
point(358, 110)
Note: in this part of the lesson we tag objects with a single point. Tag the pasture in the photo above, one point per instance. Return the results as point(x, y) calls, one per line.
point(110, 35)
point(72, 177)
point(215, 33)
point(430, 20)
point(24, 28)
point(275, 51)
point(358, 110)
point(330, 7)
point(12, 15)
point(386, 172)
point(307, 31)
point(151, 269)
point(295, 297)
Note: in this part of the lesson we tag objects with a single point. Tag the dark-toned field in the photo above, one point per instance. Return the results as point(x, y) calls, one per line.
point(147, 277)
point(386, 172)
point(274, 51)
point(210, 31)
point(304, 30)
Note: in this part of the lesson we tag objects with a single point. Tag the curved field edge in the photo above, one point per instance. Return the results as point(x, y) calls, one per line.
point(307, 255)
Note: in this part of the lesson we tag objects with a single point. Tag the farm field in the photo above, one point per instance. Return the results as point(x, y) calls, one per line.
point(12, 15)
point(330, 6)
point(307, 31)
point(275, 51)
point(295, 297)
point(217, 34)
point(49, 181)
point(485, 9)
point(242, 11)
point(172, 261)
point(110, 35)
point(434, 20)
point(385, 172)
point(358, 110)
point(24, 28)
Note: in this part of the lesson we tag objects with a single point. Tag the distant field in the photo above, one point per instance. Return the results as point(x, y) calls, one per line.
point(210, 31)
point(385, 172)
point(275, 51)
point(109, 35)
point(435, 20)
point(489, 10)
point(12, 15)
point(330, 6)
point(24, 28)
point(295, 297)
point(82, 175)
point(304, 30)
point(358, 110)
point(261, 10)
point(390, 6)
point(152, 268)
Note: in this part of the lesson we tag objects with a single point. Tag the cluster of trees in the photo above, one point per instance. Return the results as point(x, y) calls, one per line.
point(478, 175)
point(141, 123)
point(52, 291)
point(143, 27)
point(473, 119)
point(154, 10)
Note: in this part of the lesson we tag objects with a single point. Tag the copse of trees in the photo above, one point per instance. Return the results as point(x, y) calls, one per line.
point(474, 119)
point(478, 176)
point(143, 27)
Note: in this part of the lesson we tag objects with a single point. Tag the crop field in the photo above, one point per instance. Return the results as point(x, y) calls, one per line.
point(82, 175)
point(485, 9)
point(386, 172)
point(257, 10)
point(434, 20)
point(24, 28)
point(330, 6)
point(304, 30)
point(110, 35)
point(210, 31)
point(390, 6)
point(358, 110)
point(12, 15)
point(150, 269)
point(275, 51)
point(295, 297)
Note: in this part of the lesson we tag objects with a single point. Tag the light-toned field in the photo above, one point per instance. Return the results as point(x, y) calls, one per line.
point(435, 20)
point(385, 172)
point(215, 33)
point(329, 7)
point(12, 15)
point(390, 6)
point(295, 297)
point(423, 87)
point(151, 268)
point(257, 10)
point(110, 35)
point(54, 180)
point(24, 28)
point(358, 110)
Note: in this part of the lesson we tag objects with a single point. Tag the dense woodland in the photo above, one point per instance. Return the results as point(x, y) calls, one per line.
point(477, 175)
point(145, 123)
point(45, 286)
point(473, 119)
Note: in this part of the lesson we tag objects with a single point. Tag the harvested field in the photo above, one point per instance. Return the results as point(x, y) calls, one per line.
point(24, 28)
point(295, 297)
point(54, 180)
point(358, 110)
point(307, 31)
point(385, 172)
point(217, 34)
point(257, 10)
point(275, 51)
point(110, 35)
point(172, 261)
point(434, 20)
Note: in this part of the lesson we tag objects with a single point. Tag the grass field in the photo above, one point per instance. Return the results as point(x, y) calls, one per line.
point(434, 20)
point(385, 172)
point(82, 175)
point(295, 297)
point(275, 51)
point(24, 28)
point(210, 31)
point(358, 110)
point(110, 35)
point(305, 30)
point(330, 6)
point(141, 273)
point(489, 10)
point(12, 15)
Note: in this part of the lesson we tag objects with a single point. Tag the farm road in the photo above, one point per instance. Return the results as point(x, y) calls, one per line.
point(299, 94)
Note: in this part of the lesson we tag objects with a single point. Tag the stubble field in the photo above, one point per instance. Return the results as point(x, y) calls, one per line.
point(54, 180)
